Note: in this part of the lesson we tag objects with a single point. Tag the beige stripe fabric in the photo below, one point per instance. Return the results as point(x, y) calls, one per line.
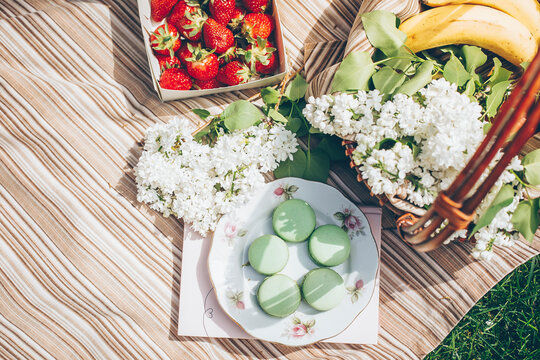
point(87, 272)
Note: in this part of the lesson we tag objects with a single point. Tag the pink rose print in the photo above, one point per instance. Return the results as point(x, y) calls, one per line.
point(298, 329)
point(356, 290)
point(240, 305)
point(236, 299)
point(286, 190)
point(231, 232)
point(349, 222)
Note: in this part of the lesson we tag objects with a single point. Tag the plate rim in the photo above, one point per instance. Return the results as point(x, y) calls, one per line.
point(223, 308)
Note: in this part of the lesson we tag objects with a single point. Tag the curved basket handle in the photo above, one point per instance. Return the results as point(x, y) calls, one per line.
point(456, 204)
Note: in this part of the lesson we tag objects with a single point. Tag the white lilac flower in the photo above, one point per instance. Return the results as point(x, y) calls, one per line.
point(444, 128)
point(199, 183)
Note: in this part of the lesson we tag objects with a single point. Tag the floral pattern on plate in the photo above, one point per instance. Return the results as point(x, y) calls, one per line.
point(355, 290)
point(298, 328)
point(233, 231)
point(286, 191)
point(349, 222)
point(236, 299)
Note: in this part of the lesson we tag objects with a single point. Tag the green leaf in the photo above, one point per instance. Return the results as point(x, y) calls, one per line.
point(382, 32)
point(474, 57)
point(339, 216)
point(387, 80)
point(470, 88)
point(314, 130)
point(531, 167)
point(386, 143)
point(297, 88)
point(504, 197)
point(317, 166)
point(270, 96)
point(455, 72)
point(500, 74)
point(293, 124)
point(419, 80)
point(292, 168)
point(202, 113)
point(354, 72)
point(526, 219)
point(241, 114)
point(495, 97)
point(402, 62)
point(451, 49)
point(276, 116)
point(331, 145)
point(524, 65)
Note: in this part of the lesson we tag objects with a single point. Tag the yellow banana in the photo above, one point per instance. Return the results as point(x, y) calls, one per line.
point(476, 25)
point(526, 11)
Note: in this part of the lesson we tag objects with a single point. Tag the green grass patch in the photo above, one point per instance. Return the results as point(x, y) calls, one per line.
point(502, 325)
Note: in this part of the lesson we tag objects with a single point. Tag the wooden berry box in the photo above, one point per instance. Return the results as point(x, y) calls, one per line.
point(148, 25)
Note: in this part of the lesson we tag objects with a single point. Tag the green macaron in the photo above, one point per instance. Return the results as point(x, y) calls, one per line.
point(323, 289)
point(294, 220)
point(279, 295)
point(268, 254)
point(329, 245)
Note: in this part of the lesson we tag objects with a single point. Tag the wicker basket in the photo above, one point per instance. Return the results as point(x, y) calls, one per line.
point(453, 209)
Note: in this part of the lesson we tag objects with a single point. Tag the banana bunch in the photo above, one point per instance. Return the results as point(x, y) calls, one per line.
point(509, 28)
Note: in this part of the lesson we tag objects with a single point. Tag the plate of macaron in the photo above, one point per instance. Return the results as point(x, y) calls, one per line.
point(296, 264)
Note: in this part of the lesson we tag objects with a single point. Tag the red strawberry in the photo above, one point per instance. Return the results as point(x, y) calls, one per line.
point(202, 65)
point(236, 19)
point(165, 40)
point(167, 62)
point(261, 57)
point(206, 84)
point(230, 55)
point(256, 26)
point(177, 14)
point(186, 51)
point(233, 73)
point(192, 23)
point(272, 22)
point(175, 79)
point(256, 6)
point(159, 9)
point(222, 10)
point(217, 36)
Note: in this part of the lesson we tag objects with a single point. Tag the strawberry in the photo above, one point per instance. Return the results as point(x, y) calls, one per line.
point(222, 10)
point(256, 26)
point(256, 6)
point(236, 19)
point(261, 57)
point(230, 55)
point(217, 36)
point(186, 51)
point(165, 40)
point(177, 14)
point(202, 65)
point(159, 9)
point(168, 62)
point(233, 73)
point(192, 23)
point(175, 79)
point(206, 84)
point(272, 22)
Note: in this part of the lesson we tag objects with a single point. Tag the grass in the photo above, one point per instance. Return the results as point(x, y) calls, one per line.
point(502, 325)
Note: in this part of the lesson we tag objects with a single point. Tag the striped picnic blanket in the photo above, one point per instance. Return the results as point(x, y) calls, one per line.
point(88, 272)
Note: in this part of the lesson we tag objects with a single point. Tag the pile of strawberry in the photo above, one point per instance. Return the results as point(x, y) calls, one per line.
point(212, 43)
